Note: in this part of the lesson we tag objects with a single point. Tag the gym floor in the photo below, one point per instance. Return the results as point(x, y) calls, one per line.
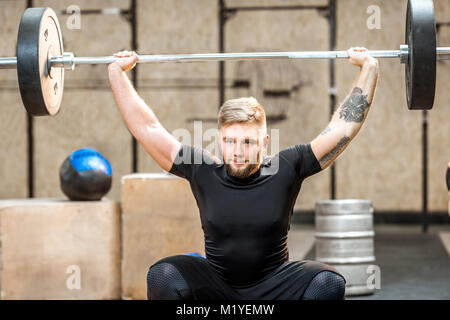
point(414, 265)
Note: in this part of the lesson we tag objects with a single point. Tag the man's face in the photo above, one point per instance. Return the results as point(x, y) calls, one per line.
point(243, 146)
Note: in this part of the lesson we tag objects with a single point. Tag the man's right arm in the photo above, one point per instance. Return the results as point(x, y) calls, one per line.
point(139, 118)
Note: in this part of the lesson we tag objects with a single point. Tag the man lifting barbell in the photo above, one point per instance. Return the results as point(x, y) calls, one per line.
point(246, 249)
point(245, 206)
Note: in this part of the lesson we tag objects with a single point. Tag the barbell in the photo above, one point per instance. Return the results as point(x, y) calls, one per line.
point(41, 60)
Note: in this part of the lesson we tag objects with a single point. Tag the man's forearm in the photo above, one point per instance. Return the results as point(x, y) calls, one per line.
point(135, 112)
point(353, 111)
point(349, 117)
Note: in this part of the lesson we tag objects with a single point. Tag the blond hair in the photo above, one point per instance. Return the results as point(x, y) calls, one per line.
point(239, 110)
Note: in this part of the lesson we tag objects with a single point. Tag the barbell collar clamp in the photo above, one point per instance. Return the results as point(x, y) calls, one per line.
point(65, 61)
point(404, 53)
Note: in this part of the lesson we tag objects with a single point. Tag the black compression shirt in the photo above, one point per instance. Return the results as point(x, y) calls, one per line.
point(246, 221)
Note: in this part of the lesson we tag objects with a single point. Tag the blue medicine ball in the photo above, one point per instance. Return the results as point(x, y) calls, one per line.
point(85, 175)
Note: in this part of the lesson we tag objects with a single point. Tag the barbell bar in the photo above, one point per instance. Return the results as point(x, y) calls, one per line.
point(41, 60)
point(68, 60)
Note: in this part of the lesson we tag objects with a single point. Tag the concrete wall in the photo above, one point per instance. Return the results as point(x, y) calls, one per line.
point(382, 164)
point(439, 134)
point(13, 122)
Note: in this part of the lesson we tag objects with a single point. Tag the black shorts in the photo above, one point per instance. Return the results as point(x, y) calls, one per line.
point(287, 282)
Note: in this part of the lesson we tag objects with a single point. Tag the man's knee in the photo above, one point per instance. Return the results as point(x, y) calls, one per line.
point(326, 285)
point(165, 282)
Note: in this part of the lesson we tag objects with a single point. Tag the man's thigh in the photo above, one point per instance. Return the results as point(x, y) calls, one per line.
point(202, 279)
point(287, 282)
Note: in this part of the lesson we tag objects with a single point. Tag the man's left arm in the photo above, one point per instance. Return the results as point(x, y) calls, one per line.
point(351, 114)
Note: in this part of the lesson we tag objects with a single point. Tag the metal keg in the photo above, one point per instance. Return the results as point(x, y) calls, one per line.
point(344, 239)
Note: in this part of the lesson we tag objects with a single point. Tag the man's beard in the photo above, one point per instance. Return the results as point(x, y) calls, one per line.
point(243, 172)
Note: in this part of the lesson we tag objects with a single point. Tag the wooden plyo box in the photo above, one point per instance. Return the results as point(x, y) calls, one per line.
point(59, 249)
point(160, 218)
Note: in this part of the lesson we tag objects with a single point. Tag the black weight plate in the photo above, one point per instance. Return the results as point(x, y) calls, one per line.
point(420, 69)
point(39, 38)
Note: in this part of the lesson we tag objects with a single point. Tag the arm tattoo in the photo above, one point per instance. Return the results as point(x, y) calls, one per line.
point(327, 129)
point(335, 151)
point(354, 108)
